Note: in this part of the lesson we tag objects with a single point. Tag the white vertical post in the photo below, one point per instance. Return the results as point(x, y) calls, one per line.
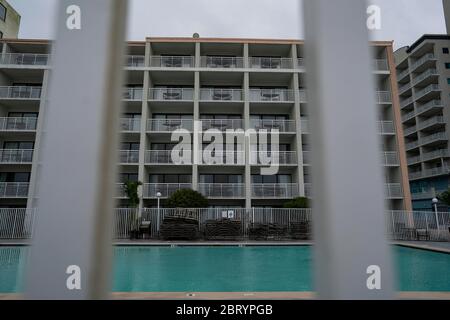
point(348, 197)
point(79, 153)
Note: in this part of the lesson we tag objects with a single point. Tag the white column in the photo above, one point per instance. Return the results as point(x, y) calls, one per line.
point(348, 194)
point(79, 154)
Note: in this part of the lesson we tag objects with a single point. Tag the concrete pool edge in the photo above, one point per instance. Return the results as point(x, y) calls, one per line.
point(305, 295)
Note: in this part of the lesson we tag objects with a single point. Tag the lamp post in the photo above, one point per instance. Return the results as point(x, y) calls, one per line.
point(435, 202)
point(158, 196)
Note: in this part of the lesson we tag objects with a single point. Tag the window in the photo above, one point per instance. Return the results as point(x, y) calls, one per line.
point(448, 80)
point(445, 51)
point(2, 13)
point(447, 65)
point(1, 35)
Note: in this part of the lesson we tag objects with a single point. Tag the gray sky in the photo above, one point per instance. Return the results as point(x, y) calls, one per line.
point(403, 21)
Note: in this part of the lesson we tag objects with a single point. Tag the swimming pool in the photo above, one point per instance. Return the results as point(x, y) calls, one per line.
point(232, 269)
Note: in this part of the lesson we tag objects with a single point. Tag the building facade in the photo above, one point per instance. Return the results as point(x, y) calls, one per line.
point(172, 83)
point(9, 21)
point(423, 73)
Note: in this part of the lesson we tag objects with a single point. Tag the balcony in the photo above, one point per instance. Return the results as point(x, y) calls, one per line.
point(390, 159)
point(271, 95)
point(424, 75)
point(303, 96)
point(228, 158)
point(169, 125)
point(218, 94)
point(441, 153)
point(276, 158)
point(25, 59)
point(439, 171)
point(380, 65)
point(425, 93)
point(283, 126)
point(120, 191)
point(406, 102)
point(16, 156)
point(164, 157)
point(270, 63)
point(18, 124)
point(222, 124)
point(128, 156)
point(135, 61)
point(431, 123)
point(411, 145)
point(300, 63)
point(421, 61)
point(433, 138)
point(275, 191)
point(409, 131)
point(171, 94)
point(166, 189)
point(403, 89)
point(14, 189)
point(394, 191)
point(20, 92)
point(383, 97)
point(408, 116)
point(386, 127)
point(402, 75)
point(433, 105)
point(172, 62)
point(414, 160)
point(222, 190)
point(423, 195)
point(130, 124)
point(132, 94)
point(218, 62)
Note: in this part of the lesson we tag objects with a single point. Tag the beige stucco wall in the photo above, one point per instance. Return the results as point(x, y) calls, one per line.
point(10, 27)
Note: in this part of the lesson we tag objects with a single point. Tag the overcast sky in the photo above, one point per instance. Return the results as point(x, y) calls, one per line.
point(403, 21)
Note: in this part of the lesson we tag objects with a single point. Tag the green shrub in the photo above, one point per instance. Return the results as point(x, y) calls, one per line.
point(299, 202)
point(186, 198)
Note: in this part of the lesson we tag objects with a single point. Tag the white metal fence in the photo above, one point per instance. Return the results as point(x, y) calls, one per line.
point(17, 223)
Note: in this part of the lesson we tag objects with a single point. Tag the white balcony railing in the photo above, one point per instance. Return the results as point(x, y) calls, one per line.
point(150, 190)
point(221, 124)
point(271, 95)
point(128, 156)
point(383, 97)
point(433, 138)
point(223, 157)
point(28, 59)
point(132, 93)
point(386, 127)
point(165, 157)
point(394, 191)
point(20, 92)
point(410, 130)
point(169, 125)
point(171, 94)
point(171, 61)
point(380, 65)
point(405, 88)
point(133, 61)
point(422, 60)
point(429, 173)
point(429, 105)
point(275, 191)
point(221, 62)
point(279, 157)
point(270, 63)
point(441, 153)
point(390, 158)
point(18, 124)
point(424, 75)
point(16, 155)
point(280, 125)
point(300, 62)
point(222, 190)
point(431, 122)
point(219, 94)
point(412, 145)
point(406, 102)
point(413, 160)
point(14, 189)
point(130, 124)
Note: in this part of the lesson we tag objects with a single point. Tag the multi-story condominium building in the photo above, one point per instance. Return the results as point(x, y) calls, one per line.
point(173, 82)
point(423, 74)
point(9, 21)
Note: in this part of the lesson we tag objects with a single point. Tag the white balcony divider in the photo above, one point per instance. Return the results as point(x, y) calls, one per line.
point(380, 65)
point(386, 127)
point(383, 97)
point(135, 61)
point(422, 60)
point(130, 124)
point(274, 190)
point(271, 95)
point(128, 156)
point(221, 62)
point(280, 125)
point(166, 189)
point(270, 63)
point(171, 94)
point(14, 189)
point(28, 59)
point(220, 94)
point(390, 158)
point(171, 61)
point(132, 93)
point(221, 124)
point(222, 190)
point(18, 124)
point(16, 155)
point(20, 92)
point(164, 157)
point(432, 87)
point(169, 125)
point(279, 157)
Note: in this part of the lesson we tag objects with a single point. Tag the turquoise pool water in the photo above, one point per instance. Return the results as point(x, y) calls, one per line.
point(236, 269)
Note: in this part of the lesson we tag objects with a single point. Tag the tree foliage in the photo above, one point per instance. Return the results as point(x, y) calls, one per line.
point(187, 198)
point(299, 202)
